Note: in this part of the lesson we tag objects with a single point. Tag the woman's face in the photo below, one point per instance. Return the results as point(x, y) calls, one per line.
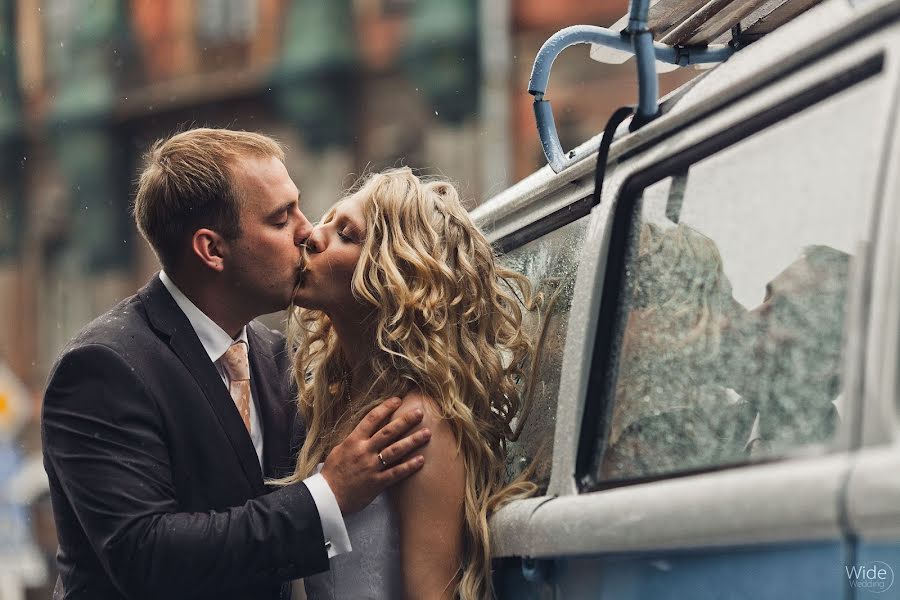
point(334, 250)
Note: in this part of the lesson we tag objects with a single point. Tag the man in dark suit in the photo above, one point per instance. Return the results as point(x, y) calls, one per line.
point(163, 417)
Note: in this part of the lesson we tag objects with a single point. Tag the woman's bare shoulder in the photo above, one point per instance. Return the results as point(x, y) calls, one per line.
point(442, 448)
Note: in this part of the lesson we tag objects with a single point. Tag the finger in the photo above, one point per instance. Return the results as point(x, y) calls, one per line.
point(376, 417)
point(398, 451)
point(401, 471)
point(396, 429)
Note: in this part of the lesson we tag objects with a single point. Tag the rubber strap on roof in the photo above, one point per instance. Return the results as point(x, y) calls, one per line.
point(609, 132)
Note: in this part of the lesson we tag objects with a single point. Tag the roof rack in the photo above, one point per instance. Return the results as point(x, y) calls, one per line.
point(661, 35)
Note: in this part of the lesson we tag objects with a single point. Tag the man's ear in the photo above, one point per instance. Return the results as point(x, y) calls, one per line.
point(211, 248)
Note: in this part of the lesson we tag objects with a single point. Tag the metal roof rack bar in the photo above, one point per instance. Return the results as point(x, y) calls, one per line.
point(636, 39)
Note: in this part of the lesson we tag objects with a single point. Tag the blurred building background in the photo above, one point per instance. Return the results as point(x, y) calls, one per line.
point(347, 85)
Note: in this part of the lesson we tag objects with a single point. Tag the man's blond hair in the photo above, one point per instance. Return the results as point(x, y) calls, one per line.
point(187, 183)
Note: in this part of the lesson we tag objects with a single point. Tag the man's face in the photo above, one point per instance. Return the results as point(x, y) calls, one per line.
point(263, 262)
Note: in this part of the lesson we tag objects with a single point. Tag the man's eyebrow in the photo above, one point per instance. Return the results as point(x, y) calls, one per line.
point(283, 208)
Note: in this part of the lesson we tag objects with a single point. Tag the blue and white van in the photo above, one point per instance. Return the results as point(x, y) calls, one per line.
point(716, 407)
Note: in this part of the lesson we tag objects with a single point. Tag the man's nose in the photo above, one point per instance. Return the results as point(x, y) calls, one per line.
point(304, 229)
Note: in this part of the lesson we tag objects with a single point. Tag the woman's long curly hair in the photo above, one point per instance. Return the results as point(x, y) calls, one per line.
point(448, 322)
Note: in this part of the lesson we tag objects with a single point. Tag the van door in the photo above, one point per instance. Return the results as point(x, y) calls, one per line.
point(712, 375)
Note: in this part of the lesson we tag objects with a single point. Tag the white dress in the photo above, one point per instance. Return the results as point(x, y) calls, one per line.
point(371, 571)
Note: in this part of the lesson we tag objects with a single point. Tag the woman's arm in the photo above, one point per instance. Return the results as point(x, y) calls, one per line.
point(429, 505)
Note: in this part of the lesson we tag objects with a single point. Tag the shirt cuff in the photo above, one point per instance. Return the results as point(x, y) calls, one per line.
point(337, 541)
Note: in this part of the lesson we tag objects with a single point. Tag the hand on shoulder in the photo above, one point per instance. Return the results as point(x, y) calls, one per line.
point(443, 448)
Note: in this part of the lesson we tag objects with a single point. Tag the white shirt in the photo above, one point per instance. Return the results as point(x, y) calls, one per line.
point(215, 341)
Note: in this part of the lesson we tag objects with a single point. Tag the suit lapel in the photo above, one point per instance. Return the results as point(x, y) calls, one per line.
point(167, 318)
point(268, 393)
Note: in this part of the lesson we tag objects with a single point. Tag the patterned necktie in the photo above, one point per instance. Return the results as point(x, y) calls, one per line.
point(237, 366)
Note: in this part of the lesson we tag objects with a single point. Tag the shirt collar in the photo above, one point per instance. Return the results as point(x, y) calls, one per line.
point(213, 338)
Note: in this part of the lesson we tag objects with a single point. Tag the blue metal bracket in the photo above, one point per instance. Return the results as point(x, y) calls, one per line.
point(638, 41)
point(536, 570)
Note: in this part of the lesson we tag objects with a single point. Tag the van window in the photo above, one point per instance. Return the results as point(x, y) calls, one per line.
point(729, 316)
point(550, 264)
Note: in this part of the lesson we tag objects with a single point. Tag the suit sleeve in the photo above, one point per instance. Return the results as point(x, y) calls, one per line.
point(104, 439)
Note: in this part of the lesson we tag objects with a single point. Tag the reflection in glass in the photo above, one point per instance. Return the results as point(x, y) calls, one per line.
point(702, 381)
point(794, 344)
point(730, 325)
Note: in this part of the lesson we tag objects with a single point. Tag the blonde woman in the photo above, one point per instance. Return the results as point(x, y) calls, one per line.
point(401, 296)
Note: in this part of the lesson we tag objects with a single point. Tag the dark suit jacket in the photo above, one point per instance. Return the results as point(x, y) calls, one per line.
point(156, 488)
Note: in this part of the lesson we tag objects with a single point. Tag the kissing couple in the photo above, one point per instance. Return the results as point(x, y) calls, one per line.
point(194, 453)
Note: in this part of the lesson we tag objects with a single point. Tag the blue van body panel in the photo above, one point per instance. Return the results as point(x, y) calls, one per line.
point(885, 557)
point(808, 571)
